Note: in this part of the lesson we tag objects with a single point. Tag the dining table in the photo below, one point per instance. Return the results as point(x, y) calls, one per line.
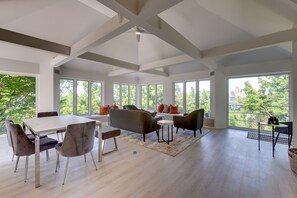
point(49, 125)
point(263, 124)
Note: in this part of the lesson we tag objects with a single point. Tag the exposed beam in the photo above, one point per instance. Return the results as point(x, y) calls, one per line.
point(119, 72)
point(107, 31)
point(148, 20)
point(29, 41)
point(107, 60)
point(166, 62)
point(156, 72)
point(99, 7)
point(262, 41)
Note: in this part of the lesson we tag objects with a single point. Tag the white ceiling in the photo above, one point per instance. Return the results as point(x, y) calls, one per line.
point(205, 23)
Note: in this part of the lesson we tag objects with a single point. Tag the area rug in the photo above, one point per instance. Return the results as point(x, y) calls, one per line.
point(266, 136)
point(181, 141)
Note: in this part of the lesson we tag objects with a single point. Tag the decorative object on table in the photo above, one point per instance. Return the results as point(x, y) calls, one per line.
point(270, 120)
point(180, 142)
point(292, 153)
point(275, 121)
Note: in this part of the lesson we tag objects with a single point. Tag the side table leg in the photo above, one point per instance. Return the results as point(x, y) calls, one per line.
point(259, 136)
point(272, 141)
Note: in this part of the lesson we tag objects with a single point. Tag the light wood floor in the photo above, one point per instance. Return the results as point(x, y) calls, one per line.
point(224, 163)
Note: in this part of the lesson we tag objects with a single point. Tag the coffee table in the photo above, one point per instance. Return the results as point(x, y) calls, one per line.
point(167, 123)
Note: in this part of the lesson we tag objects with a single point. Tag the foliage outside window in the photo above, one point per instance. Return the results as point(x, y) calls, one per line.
point(186, 98)
point(179, 96)
point(66, 97)
point(96, 89)
point(204, 95)
point(190, 96)
point(124, 94)
point(17, 98)
point(151, 96)
point(255, 99)
point(82, 97)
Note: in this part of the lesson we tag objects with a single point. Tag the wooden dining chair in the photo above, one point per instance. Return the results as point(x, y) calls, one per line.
point(78, 141)
point(23, 146)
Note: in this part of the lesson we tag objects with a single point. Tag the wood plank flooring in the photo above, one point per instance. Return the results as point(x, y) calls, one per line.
point(223, 164)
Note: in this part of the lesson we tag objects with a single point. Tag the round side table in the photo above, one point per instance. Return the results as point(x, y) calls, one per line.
point(167, 123)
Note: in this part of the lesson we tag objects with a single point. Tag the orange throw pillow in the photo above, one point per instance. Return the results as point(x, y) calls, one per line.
point(160, 108)
point(104, 110)
point(173, 109)
point(115, 106)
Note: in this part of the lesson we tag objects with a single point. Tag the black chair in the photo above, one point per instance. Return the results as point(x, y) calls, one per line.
point(192, 121)
point(285, 130)
point(49, 114)
point(22, 146)
point(79, 140)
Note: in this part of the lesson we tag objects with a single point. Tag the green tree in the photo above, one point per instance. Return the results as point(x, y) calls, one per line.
point(17, 98)
point(204, 100)
point(66, 97)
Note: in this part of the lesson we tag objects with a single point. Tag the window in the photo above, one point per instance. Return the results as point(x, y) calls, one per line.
point(151, 96)
point(87, 97)
point(179, 96)
point(204, 95)
point(82, 93)
point(96, 89)
point(124, 94)
point(66, 97)
point(254, 99)
point(17, 98)
point(185, 95)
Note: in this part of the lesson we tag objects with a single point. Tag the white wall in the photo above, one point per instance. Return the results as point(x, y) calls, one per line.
point(18, 67)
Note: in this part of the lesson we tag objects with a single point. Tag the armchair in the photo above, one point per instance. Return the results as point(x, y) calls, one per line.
point(192, 121)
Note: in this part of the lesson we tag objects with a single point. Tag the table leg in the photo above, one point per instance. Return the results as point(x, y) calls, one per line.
point(171, 132)
point(272, 141)
point(37, 161)
point(259, 136)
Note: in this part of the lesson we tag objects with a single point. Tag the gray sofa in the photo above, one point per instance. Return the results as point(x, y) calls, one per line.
point(135, 121)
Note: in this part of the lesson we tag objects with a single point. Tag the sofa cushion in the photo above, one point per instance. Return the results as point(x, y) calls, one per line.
point(173, 109)
point(104, 110)
point(160, 108)
point(165, 109)
point(114, 106)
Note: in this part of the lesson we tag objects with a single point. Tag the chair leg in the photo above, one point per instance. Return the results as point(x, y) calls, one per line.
point(115, 143)
point(101, 150)
point(12, 157)
point(16, 164)
point(176, 129)
point(200, 131)
point(58, 161)
point(194, 133)
point(26, 168)
point(66, 168)
point(47, 155)
point(85, 158)
point(289, 143)
point(93, 159)
point(276, 140)
point(157, 133)
point(144, 137)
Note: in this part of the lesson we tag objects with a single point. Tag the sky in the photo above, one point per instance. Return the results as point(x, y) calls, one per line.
point(233, 82)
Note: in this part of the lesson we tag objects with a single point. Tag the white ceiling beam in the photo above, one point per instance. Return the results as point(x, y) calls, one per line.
point(119, 72)
point(99, 7)
point(156, 72)
point(259, 42)
point(29, 41)
point(148, 20)
point(107, 60)
point(107, 31)
point(166, 62)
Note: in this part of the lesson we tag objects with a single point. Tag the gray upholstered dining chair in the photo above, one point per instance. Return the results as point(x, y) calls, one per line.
point(31, 137)
point(79, 140)
point(49, 114)
point(22, 146)
point(192, 121)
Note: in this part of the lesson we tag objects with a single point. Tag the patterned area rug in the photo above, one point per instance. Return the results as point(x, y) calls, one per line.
point(181, 141)
point(266, 136)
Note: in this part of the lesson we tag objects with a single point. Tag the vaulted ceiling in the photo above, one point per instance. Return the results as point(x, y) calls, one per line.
point(179, 36)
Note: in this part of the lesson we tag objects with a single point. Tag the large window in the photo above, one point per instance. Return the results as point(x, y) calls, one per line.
point(254, 99)
point(124, 94)
point(66, 97)
point(151, 96)
point(17, 98)
point(87, 97)
point(96, 90)
point(185, 95)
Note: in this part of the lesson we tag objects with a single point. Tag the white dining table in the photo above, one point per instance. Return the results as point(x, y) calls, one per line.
point(49, 125)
